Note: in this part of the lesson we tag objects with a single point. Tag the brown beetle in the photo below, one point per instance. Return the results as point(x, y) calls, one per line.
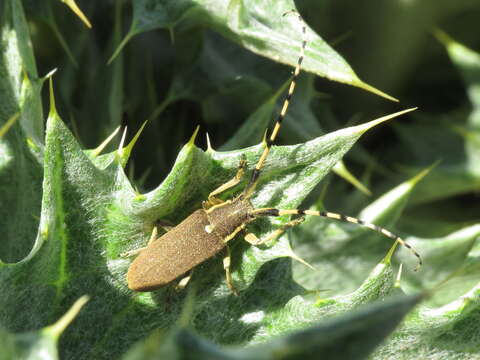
point(207, 231)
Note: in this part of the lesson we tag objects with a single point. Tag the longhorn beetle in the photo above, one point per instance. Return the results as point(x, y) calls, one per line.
point(207, 231)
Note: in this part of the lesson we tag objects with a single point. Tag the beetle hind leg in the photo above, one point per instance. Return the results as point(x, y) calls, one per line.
point(227, 262)
point(153, 237)
point(182, 284)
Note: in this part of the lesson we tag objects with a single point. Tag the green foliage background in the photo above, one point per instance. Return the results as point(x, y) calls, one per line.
point(69, 206)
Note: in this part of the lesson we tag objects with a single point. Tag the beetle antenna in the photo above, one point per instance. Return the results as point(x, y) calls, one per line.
point(271, 138)
point(340, 217)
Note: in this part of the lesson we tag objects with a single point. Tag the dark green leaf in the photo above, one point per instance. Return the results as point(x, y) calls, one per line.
point(21, 148)
point(257, 25)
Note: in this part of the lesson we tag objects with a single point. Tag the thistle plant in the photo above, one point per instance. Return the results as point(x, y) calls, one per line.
point(84, 179)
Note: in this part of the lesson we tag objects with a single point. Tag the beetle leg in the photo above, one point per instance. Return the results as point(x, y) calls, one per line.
point(227, 262)
point(132, 252)
point(165, 225)
point(254, 240)
point(184, 281)
point(251, 238)
point(212, 200)
point(153, 237)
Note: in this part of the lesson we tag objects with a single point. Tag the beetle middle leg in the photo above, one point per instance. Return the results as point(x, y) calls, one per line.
point(254, 240)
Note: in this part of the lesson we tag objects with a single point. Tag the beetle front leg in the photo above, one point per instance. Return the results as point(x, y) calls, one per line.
point(212, 199)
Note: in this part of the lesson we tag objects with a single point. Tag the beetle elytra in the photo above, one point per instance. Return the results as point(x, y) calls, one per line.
point(207, 231)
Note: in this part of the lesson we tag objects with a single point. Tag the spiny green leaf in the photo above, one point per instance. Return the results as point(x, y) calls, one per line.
point(346, 252)
point(40, 344)
point(457, 247)
point(387, 209)
point(300, 120)
point(253, 128)
point(455, 142)
point(450, 330)
point(74, 7)
point(341, 170)
point(351, 336)
point(22, 146)
point(467, 62)
point(91, 214)
point(8, 124)
point(258, 26)
point(43, 10)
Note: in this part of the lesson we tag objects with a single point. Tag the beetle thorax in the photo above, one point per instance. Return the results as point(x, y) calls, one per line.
point(228, 218)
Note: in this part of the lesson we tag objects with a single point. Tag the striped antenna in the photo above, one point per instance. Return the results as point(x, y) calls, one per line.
point(340, 217)
point(278, 123)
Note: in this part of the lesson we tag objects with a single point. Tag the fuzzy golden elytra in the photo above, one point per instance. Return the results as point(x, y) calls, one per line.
point(207, 231)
